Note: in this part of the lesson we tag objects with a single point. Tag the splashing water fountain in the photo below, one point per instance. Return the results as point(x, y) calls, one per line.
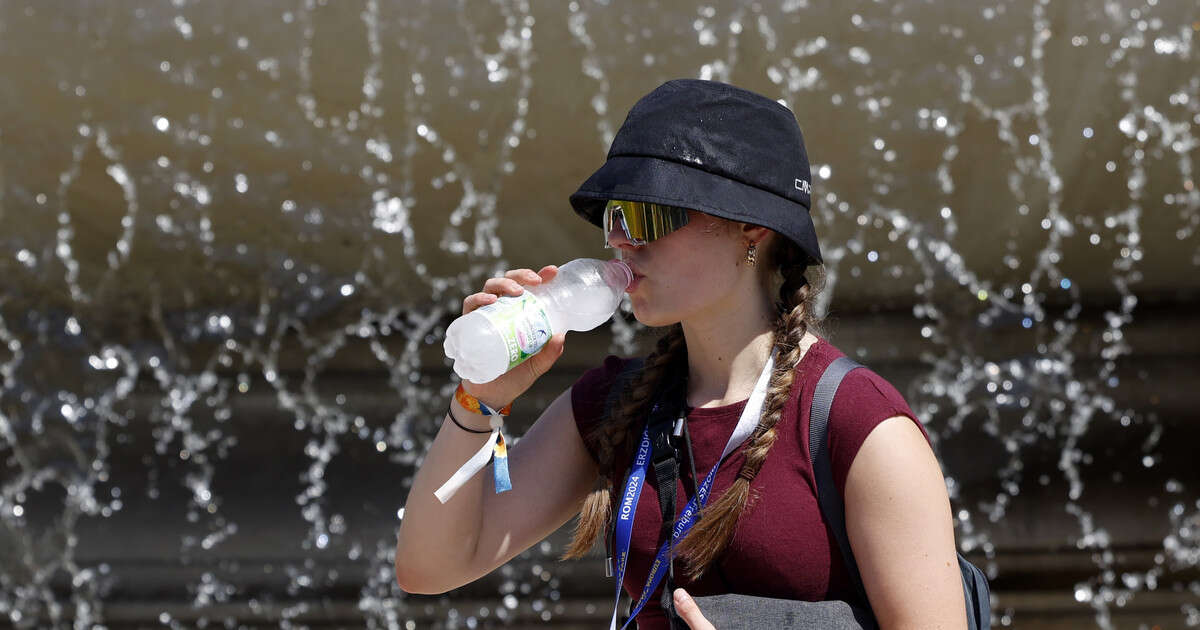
point(232, 235)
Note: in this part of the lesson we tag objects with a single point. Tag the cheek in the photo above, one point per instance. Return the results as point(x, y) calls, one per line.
point(691, 283)
point(699, 279)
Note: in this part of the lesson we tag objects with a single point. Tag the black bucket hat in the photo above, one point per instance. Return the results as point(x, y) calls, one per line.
point(710, 147)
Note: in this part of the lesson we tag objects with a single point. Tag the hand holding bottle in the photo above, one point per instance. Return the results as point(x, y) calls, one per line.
point(512, 332)
point(520, 320)
point(508, 386)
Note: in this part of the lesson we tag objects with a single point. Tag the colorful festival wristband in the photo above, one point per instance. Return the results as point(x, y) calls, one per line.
point(494, 450)
point(471, 403)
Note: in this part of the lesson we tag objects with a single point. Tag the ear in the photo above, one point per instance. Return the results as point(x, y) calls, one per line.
point(755, 233)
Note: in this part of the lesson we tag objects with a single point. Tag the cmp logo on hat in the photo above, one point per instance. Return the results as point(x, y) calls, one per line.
point(802, 186)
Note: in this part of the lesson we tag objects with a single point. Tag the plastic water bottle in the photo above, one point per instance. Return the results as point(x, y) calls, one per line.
point(495, 338)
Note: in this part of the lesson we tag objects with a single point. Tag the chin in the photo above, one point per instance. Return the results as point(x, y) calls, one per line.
point(651, 318)
point(654, 323)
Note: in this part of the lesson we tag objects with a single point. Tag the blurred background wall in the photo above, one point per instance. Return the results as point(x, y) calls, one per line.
point(232, 234)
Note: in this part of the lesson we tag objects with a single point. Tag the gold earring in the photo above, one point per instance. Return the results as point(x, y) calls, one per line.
point(750, 254)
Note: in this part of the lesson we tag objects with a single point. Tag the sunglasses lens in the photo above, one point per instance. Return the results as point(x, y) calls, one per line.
point(643, 222)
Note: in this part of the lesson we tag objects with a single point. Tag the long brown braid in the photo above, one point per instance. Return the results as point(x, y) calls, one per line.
point(711, 535)
point(617, 434)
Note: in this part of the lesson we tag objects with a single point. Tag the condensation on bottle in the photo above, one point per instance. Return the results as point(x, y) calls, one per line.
point(495, 338)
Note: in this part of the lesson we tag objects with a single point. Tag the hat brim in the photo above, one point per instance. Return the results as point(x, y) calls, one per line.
point(652, 180)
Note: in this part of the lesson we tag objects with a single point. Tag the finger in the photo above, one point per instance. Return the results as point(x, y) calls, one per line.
point(689, 611)
point(554, 347)
point(503, 286)
point(476, 300)
point(548, 272)
point(524, 276)
point(541, 362)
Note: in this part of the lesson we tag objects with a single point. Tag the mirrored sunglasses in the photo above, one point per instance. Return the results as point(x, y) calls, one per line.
point(642, 222)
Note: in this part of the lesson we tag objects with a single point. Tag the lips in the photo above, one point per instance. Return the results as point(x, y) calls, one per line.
point(637, 277)
point(633, 285)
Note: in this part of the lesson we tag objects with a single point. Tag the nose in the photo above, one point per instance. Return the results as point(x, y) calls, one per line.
point(616, 238)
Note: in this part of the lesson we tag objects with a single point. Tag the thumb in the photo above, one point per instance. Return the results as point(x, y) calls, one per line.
point(548, 355)
point(690, 612)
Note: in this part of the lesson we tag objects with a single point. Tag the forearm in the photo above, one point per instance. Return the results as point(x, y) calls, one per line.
point(437, 541)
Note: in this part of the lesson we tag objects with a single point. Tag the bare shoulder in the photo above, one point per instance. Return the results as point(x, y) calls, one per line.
point(898, 442)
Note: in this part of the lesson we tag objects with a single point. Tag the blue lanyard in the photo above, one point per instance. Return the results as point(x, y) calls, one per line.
point(628, 508)
point(658, 569)
point(633, 492)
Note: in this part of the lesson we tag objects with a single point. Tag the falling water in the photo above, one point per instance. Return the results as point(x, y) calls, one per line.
point(232, 235)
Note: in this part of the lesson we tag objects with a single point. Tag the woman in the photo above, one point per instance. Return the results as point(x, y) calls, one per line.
point(705, 194)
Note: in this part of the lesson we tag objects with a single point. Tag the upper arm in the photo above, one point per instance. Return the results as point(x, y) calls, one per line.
point(899, 524)
point(551, 474)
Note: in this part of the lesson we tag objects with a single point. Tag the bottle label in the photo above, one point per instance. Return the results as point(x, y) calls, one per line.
point(523, 322)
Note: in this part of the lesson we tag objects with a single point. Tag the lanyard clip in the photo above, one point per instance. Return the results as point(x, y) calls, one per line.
point(678, 427)
point(608, 568)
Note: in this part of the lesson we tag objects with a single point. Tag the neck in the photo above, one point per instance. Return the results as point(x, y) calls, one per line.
point(727, 350)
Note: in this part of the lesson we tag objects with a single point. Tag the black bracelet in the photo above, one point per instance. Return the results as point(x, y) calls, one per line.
point(450, 413)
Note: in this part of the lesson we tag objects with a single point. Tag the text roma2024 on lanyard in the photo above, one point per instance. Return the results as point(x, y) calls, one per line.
point(633, 491)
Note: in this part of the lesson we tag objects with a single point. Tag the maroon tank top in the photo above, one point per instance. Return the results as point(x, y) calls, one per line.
point(781, 547)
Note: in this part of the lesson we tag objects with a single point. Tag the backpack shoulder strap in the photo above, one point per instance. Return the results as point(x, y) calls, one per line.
point(818, 445)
